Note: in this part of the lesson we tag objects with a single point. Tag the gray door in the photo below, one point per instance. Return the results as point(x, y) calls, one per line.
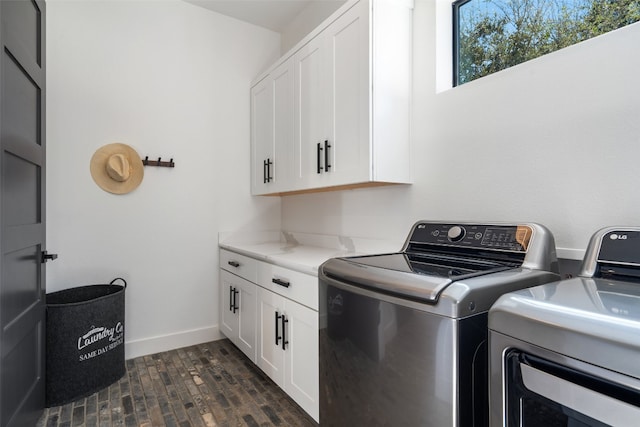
point(22, 211)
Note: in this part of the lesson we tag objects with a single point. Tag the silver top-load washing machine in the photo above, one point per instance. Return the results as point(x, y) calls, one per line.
point(568, 353)
point(403, 336)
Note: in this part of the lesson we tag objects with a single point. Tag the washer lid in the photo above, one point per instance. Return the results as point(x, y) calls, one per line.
point(419, 277)
point(593, 320)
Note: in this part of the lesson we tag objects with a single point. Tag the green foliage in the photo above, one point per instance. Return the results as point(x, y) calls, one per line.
point(497, 34)
point(609, 15)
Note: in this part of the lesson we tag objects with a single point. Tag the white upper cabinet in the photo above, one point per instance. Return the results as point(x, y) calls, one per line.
point(272, 131)
point(331, 122)
point(351, 103)
point(310, 113)
point(262, 146)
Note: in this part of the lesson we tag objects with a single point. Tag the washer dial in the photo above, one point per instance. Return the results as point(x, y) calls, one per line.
point(456, 233)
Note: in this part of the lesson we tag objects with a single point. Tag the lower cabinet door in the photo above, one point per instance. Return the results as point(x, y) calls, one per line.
point(228, 317)
point(302, 357)
point(270, 353)
point(288, 351)
point(246, 301)
point(238, 312)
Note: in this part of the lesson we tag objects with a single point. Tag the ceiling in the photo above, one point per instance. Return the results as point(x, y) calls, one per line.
point(271, 14)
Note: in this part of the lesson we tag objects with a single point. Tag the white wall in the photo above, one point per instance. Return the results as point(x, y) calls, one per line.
point(306, 21)
point(170, 79)
point(555, 141)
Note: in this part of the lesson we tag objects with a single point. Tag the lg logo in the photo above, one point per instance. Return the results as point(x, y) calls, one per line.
point(618, 236)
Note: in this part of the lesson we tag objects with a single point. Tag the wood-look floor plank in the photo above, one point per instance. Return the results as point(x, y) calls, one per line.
point(207, 385)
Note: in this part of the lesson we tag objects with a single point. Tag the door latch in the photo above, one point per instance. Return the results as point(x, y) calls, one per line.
point(48, 257)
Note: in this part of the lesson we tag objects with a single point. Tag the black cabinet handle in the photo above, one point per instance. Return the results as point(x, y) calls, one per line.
point(281, 282)
point(318, 150)
point(269, 163)
point(326, 155)
point(233, 306)
point(235, 301)
point(235, 264)
point(277, 337)
point(284, 330)
point(264, 171)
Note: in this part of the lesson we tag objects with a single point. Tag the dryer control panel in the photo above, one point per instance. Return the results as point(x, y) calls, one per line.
point(613, 253)
point(620, 246)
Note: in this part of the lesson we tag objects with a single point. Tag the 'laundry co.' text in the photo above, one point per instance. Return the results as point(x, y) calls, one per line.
point(114, 335)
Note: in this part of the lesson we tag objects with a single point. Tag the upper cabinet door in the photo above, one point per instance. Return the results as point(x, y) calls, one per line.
point(283, 164)
point(332, 110)
point(272, 131)
point(311, 116)
point(262, 138)
point(347, 89)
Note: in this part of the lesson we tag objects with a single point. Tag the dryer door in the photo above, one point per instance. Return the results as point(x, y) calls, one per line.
point(544, 393)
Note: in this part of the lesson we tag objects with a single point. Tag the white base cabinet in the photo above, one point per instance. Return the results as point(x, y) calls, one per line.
point(288, 348)
point(271, 314)
point(238, 301)
point(238, 314)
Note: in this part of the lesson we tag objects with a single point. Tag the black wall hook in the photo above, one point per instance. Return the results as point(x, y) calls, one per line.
point(159, 162)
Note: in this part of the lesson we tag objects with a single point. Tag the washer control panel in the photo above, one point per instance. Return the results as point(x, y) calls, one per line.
point(480, 236)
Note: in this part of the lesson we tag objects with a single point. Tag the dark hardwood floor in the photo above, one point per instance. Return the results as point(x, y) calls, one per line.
point(211, 384)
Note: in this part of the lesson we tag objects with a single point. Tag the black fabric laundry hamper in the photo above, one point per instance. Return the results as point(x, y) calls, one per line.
point(85, 341)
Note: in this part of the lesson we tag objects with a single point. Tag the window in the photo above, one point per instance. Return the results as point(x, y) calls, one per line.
point(491, 35)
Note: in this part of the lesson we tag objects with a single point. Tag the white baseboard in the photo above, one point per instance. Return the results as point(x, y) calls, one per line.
point(142, 347)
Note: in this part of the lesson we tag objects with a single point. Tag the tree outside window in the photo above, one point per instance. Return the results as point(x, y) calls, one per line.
point(491, 35)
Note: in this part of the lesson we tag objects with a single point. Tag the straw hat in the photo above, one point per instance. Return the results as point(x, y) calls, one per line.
point(117, 168)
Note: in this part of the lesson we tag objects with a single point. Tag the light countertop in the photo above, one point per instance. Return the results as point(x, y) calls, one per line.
point(299, 251)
